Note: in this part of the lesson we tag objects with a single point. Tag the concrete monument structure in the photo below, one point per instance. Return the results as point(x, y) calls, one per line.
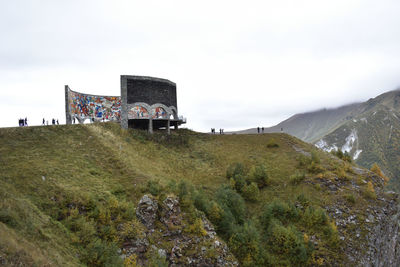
point(145, 103)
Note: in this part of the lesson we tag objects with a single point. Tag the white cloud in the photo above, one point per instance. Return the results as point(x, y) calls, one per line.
point(236, 64)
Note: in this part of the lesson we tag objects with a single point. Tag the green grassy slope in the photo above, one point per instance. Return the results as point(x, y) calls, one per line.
point(376, 121)
point(65, 189)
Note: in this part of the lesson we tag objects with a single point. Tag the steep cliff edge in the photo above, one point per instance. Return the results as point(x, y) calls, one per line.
point(370, 234)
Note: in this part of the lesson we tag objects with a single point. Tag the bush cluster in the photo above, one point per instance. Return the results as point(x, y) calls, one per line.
point(343, 156)
point(376, 169)
point(247, 182)
point(281, 222)
point(98, 226)
point(311, 163)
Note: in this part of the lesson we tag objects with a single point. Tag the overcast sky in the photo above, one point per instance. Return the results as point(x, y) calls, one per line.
point(237, 64)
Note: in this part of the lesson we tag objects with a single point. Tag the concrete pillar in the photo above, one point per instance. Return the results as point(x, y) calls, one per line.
point(68, 119)
point(151, 125)
point(124, 103)
point(168, 125)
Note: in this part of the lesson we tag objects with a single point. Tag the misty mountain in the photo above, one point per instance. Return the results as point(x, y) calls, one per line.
point(368, 131)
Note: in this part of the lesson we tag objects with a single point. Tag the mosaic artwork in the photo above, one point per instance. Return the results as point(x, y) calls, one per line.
point(159, 113)
point(94, 107)
point(138, 112)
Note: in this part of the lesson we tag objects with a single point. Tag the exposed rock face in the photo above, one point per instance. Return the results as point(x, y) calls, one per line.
point(370, 235)
point(146, 211)
point(170, 237)
point(384, 239)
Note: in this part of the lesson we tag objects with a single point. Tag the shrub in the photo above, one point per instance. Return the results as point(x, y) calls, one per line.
point(214, 213)
point(153, 187)
point(100, 253)
point(297, 178)
point(251, 192)
point(245, 244)
point(369, 192)
point(86, 230)
point(347, 157)
point(343, 156)
point(233, 209)
point(338, 153)
point(131, 230)
point(303, 160)
point(235, 169)
point(341, 173)
point(238, 183)
point(9, 216)
point(130, 261)
point(201, 201)
point(314, 217)
point(315, 157)
point(350, 198)
point(156, 260)
point(289, 243)
point(375, 168)
point(185, 189)
point(259, 175)
point(303, 200)
point(315, 168)
point(232, 202)
point(280, 211)
point(331, 233)
point(196, 228)
point(272, 143)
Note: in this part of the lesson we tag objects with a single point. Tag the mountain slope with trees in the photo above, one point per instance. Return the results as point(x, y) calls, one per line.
point(369, 132)
point(98, 195)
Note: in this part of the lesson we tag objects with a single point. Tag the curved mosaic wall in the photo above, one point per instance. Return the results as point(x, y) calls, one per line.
point(83, 106)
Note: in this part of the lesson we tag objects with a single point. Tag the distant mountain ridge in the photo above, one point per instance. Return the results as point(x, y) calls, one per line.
point(368, 131)
point(311, 126)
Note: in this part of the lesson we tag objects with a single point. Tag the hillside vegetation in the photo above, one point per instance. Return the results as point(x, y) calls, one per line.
point(68, 196)
point(372, 135)
point(368, 131)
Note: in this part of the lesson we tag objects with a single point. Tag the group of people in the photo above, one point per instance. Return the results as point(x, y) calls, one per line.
point(53, 122)
point(221, 131)
point(260, 129)
point(23, 122)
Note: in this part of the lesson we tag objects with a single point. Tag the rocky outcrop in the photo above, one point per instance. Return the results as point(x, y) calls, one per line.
point(169, 236)
point(146, 211)
point(370, 234)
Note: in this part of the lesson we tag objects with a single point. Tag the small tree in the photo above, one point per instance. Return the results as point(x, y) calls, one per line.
point(375, 168)
point(259, 175)
point(235, 169)
point(251, 192)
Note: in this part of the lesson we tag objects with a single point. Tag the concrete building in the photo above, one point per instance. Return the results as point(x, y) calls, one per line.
point(145, 103)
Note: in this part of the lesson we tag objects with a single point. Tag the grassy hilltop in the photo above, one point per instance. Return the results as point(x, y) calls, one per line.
point(67, 191)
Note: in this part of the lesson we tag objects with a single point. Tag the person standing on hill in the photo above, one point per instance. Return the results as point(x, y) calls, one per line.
point(262, 129)
point(258, 129)
point(26, 121)
point(43, 122)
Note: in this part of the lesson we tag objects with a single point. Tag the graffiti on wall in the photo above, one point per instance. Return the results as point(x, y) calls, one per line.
point(159, 113)
point(84, 106)
point(138, 112)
